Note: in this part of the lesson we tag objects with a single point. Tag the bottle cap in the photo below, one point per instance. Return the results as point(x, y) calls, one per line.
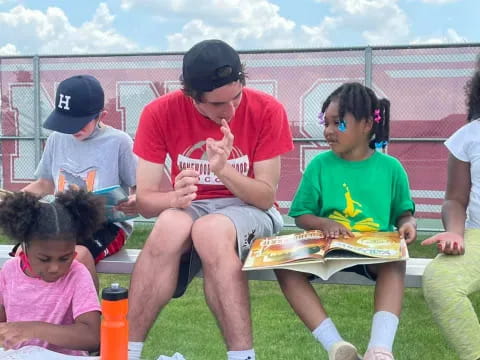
point(114, 292)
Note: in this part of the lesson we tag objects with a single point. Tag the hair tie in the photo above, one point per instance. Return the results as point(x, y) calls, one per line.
point(377, 117)
point(381, 144)
point(25, 263)
point(321, 118)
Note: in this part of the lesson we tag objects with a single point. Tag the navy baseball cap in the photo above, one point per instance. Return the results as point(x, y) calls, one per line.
point(210, 64)
point(78, 101)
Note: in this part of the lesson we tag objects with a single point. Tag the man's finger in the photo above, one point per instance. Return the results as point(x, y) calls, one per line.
point(225, 124)
point(187, 173)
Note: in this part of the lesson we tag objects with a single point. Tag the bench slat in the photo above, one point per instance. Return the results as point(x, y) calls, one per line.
point(123, 262)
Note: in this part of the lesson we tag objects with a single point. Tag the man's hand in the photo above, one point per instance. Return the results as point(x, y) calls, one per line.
point(185, 189)
point(448, 243)
point(219, 151)
point(14, 333)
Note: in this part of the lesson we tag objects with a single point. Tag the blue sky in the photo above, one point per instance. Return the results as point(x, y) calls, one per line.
point(118, 26)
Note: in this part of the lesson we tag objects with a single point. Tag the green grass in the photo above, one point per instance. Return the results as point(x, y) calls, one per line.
point(187, 326)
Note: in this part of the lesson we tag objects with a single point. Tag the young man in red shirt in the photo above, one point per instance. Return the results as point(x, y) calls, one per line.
point(224, 142)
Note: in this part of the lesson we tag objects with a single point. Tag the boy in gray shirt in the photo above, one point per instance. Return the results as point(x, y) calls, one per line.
point(84, 153)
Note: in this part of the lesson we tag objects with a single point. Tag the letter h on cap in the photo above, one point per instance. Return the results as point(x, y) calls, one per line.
point(63, 102)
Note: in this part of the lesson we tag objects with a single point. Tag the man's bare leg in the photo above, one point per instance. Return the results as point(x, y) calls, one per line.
point(226, 286)
point(155, 273)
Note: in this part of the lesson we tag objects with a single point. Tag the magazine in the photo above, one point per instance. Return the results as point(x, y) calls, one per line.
point(31, 352)
point(113, 196)
point(313, 253)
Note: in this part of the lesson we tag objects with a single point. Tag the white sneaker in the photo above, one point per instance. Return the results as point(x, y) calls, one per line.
point(343, 350)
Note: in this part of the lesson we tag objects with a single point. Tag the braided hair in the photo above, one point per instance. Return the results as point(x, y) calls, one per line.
point(362, 103)
point(472, 92)
point(74, 216)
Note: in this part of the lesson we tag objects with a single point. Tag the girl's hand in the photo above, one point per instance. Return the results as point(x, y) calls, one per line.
point(14, 333)
point(333, 229)
point(408, 232)
point(448, 243)
point(129, 207)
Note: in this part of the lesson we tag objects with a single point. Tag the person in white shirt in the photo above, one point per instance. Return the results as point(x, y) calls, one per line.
point(455, 272)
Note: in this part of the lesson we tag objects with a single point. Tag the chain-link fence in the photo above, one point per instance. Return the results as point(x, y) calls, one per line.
point(425, 85)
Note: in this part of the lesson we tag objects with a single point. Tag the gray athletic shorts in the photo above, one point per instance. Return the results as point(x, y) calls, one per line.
point(250, 223)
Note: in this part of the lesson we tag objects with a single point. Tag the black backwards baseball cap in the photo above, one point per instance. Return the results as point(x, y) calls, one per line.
point(78, 101)
point(210, 64)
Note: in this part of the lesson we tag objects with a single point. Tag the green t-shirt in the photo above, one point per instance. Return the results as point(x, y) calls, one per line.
point(367, 195)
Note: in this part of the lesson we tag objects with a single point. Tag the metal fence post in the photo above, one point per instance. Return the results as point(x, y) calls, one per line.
point(368, 66)
point(36, 108)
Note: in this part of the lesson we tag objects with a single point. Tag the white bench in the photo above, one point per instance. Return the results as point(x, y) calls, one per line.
point(123, 261)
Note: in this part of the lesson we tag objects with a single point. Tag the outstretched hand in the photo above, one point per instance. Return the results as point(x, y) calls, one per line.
point(448, 243)
point(185, 189)
point(218, 151)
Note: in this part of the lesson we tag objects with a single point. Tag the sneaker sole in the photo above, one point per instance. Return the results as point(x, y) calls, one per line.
point(346, 353)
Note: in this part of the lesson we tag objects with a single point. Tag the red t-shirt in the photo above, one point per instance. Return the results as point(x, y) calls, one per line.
point(172, 125)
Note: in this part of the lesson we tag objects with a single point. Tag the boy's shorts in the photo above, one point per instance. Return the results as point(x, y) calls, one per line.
point(361, 269)
point(106, 241)
point(249, 221)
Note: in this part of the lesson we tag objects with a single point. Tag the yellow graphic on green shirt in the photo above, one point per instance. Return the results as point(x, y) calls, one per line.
point(351, 217)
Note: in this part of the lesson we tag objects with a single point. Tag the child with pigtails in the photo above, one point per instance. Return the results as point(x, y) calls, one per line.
point(47, 298)
point(352, 187)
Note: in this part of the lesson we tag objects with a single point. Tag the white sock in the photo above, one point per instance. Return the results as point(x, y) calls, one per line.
point(327, 334)
point(384, 328)
point(134, 350)
point(241, 355)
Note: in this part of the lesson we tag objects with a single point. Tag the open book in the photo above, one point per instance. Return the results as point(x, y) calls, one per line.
point(32, 352)
point(313, 253)
point(113, 196)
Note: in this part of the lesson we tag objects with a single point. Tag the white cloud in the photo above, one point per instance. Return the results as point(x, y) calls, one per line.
point(380, 22)
point(8, 49)
point(252, 24)
point(319, 36)
point(258, 24)
point(450, 36)
point(50, 32)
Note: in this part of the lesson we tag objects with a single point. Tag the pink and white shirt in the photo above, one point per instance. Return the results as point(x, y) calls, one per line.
point(61, 302)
